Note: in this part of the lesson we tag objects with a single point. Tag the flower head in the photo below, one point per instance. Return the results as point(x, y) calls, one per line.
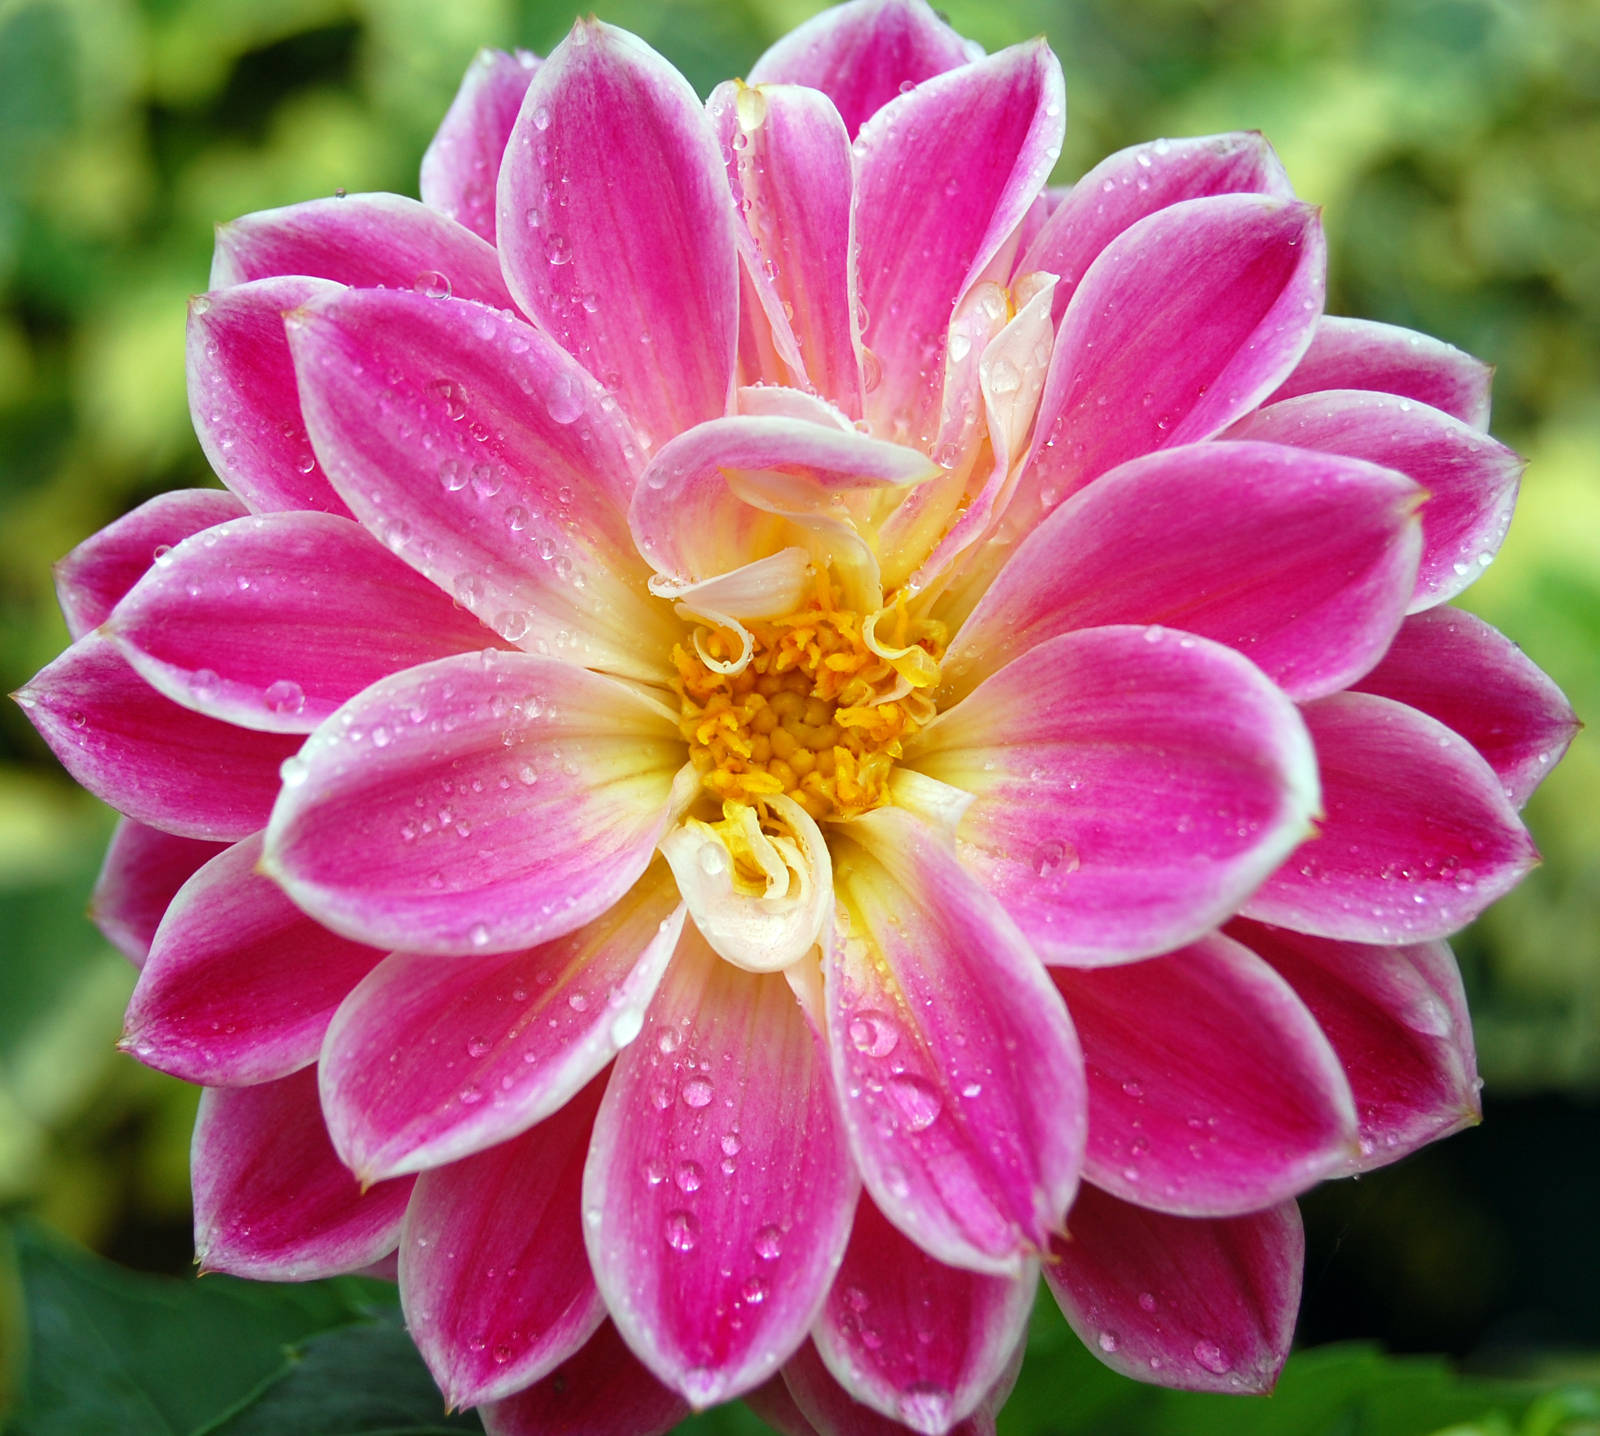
point(781, 727)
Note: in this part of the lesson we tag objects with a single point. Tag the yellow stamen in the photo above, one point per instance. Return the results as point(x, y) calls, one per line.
point(821, 711)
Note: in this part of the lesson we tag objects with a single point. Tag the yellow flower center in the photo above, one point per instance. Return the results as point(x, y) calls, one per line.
point(819, 713)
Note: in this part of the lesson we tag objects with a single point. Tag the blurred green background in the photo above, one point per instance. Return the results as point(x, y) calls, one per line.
point(1456, 147)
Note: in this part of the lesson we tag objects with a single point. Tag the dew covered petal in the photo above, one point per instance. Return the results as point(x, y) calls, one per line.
point(719, 1191)
point(470, 805)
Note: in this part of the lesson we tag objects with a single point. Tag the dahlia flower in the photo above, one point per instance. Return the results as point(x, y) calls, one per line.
point(780, 728)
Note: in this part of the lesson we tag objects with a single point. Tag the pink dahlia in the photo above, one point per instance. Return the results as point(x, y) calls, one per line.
point(780, 728)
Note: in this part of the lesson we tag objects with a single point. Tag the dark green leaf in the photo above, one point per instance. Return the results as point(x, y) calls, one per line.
point(113, 1351)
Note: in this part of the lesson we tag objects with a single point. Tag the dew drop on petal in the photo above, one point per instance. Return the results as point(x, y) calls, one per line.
point(873, 1033)
point(683, 1230)
point(285, 696)
point(1108, 1341)
point(1054, 857)
point(1212, 1357)
point(697, 1092)
point(432, 283)
point(917, 1101)
point(769, 1243)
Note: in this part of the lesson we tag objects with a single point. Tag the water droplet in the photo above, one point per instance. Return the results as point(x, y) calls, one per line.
point(683, 1231)
point(432, 283)
point(1212, 1357)
point(1108, 1341)
point(916, 1099)
point(697, 1092)
point(873, 1033)
point(1054, 857)
point(564, 400)
point(285, 696)
point(669, 1041)
point(511, 625)
point(689, 1176)
point(479, 935)
point(293, 772)
point(754, 1291)
point(1147, 1301)
point(1005, 377)
point(478, 1047)
point(453, 396)
point(769, 1243)
point(558, 249)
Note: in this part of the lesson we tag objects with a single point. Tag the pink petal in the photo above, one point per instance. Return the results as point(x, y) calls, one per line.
point(1454, 667)
point(462, 162)
point(243, 398)
point(148, 758)
point(1418, 839)
point(271, 1200)
point(990, 395)
point(431, 1060)
point(491, 463)
point(143, 870)
point(601, 1391)
point(272, 623)
point(1132, 787)
point(1185, 322)
point(1471, 479)
point(1202, 1304)
point(958, 1067)
point(1212, 1091)
point(830, 1410)
point(475, 806)
point(92, 579)
point(494, 1281)
point(943, 176)
point(917, 1340)
point(616, 228)
point(240, 985)
point(1304, 565)
point(1397, 1017)
point(1125, 187)
point(368, 240)
point(790, 166)
point(719, 1191)
point(1361, 354)
point(722, 494)
point(864, 54)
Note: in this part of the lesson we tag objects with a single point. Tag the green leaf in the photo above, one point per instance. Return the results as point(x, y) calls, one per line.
point(111, 1350)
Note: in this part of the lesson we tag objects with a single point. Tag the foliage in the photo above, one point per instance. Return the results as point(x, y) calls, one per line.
point(165, 1356)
